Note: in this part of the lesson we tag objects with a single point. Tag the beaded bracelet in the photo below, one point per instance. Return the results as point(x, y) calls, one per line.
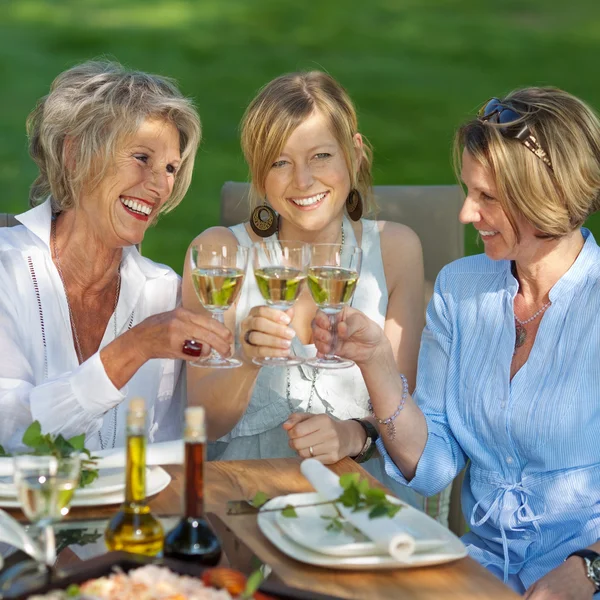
point(389, 422)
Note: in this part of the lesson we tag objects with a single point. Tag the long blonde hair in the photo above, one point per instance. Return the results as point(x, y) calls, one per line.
point(281, 106)
point(94, 106)
point(555, 201)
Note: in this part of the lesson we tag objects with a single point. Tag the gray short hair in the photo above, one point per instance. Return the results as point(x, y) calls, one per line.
point(93, 106)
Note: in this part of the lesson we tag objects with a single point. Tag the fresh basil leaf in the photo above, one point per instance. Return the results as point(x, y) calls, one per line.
point(349, 479)
point(363, 486)
point(289, 511)
point(33, 435)
point(350, 497)
point(259, 499)
point(77, 442)
point(374, 495)
point(63, 447)
point(377, 511)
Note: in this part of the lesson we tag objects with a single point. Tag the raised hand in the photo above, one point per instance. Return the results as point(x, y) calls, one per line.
point(164, 335)
point(266, 332)
point(358, 337)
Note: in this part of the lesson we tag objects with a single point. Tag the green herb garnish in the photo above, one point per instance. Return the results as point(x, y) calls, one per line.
point(48, 445)
point(357, 495)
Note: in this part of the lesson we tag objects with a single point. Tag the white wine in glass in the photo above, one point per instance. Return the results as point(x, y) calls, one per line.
point(333, 274)
point(45, 487)
point(217, 275)
point(280, 271)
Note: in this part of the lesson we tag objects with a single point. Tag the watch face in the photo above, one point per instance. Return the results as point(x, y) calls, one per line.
point(595, 568)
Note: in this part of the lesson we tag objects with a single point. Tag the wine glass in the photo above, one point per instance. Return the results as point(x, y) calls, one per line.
point(45, 486)
point(280, 270)
point(217, 274)
point(333, 272)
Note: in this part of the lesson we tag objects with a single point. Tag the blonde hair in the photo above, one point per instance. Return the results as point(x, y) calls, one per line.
point(91, 108)
point(285, 103)
point(555, 201)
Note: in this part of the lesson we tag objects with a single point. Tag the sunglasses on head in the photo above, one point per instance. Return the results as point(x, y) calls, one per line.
point(496, 112)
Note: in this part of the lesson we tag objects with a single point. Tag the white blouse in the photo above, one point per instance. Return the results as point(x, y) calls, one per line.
point(40, 376)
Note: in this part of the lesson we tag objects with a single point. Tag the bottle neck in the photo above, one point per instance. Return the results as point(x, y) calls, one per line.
point(193, 500)
point(135, 481)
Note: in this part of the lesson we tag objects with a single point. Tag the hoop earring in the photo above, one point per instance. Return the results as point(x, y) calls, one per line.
point(354, 205)
point(264, 221)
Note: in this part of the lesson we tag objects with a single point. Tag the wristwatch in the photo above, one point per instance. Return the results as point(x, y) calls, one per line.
point(592, 564)
point(369, 447)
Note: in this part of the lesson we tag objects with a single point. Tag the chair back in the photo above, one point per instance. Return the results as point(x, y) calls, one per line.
point(431, 211)
point(7, 220)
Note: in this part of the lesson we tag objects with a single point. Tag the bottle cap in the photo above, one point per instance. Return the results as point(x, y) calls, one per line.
point(136, 415)
point(195, 423)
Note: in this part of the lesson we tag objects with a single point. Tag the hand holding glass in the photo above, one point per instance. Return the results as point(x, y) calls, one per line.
point(333, 273)
point(217, 274)
point(45, 486)
point(280, 270)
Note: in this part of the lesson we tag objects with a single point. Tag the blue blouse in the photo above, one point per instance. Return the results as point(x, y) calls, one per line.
point(531, 493)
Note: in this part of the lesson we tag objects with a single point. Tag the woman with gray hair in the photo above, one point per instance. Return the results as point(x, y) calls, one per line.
point(85, 321)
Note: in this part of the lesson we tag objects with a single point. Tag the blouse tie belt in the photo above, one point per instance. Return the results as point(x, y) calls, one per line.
point(523, 513)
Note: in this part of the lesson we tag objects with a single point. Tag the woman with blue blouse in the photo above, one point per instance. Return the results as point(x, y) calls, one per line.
point(508, 381)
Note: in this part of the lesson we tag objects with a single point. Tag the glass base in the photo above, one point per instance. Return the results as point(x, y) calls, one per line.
point(279, 361)
point(216, 362)
point(330, 362)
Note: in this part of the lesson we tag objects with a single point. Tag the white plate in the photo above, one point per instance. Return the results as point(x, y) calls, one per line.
point(450, 547)
point(309, 529)
point(109, 481)
point(157, 479)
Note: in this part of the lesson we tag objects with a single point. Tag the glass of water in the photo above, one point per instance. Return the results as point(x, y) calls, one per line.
point(45, 486)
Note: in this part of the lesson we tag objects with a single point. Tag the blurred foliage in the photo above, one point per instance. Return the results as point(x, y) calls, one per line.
point(415, 69)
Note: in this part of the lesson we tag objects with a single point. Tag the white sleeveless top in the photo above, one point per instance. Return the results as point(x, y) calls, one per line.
point(341, 393)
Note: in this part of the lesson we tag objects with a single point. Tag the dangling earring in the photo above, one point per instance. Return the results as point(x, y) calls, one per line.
point(264, 221)
point(354, 205)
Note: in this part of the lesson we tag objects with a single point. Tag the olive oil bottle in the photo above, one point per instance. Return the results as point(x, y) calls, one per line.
point(134, 529)
point(192, 539)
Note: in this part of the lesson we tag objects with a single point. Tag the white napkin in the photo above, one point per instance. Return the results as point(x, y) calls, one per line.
point(163, 453)
point(387, 534)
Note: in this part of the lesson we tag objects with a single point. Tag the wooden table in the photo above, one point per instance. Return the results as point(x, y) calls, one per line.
point(230, 480)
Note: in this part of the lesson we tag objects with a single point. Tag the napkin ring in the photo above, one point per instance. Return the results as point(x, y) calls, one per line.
point(389, 422)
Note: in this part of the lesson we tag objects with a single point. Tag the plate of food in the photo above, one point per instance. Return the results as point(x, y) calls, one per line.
point(122, 575)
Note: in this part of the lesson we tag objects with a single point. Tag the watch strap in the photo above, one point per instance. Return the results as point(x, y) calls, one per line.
point(589, 556)
point(369, 447)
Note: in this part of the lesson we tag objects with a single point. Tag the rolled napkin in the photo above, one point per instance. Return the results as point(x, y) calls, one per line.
point(163, 453)
point(387, 534)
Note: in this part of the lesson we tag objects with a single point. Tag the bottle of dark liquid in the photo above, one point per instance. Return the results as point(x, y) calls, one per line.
point(192, 539)
point(133, 528)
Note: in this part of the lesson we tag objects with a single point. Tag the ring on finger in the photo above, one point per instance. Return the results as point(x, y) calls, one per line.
point(192, 348)
point(247, 337)
point(311, 451)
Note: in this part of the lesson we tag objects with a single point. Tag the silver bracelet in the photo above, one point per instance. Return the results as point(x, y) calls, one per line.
point(389, 422)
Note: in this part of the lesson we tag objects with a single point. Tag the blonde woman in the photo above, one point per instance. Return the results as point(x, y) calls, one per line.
point(86, 322)
point(311, 178)
point(508, 368)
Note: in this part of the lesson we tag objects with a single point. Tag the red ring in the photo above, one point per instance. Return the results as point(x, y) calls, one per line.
point(192, 348)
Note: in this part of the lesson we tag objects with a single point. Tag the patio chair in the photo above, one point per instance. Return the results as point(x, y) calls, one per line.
point(432, 212)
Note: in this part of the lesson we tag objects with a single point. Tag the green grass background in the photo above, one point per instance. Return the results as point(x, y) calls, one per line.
point(415, 69)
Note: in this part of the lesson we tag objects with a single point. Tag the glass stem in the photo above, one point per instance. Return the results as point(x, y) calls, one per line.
point(49, 545)
point(219, 316)
point(334, 336)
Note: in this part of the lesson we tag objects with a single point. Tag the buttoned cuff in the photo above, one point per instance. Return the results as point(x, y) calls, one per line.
point(93, 389)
